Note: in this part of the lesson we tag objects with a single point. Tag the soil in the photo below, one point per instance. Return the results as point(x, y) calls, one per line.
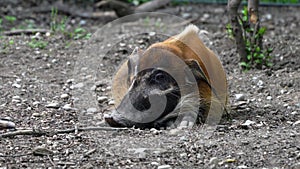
point(264, 104)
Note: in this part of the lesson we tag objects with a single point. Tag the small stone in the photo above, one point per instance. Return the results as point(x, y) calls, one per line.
point(152, 33)
point(4, 124)
point(64, 96)
point(78, 85)
point(36, 115)
point(296, 123)
point(16, 101)
point(154, 131)
point(42, 151)
point(183, 154)
point(54, 61)
point(70, 80)
point(36, 103)
point(175, 131)
point(269, 97)
point(111, 102)
point(101, 99)
point(164, 167)
point(213, 161)
point(186, 15)
point(91, 110)
point(82, 22)
point(248, 123)
point(154, 163)
point(16, 85)
point(240, 97)
point(242, 167)
point(67, 107)
point(260, 83)
point(183, 138)
point(122, 44)
point(48, 34)
point(52, 105)
point(16, 97)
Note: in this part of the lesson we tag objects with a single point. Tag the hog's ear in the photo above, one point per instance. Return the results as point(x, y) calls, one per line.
point(133, 64)
point(197, 71)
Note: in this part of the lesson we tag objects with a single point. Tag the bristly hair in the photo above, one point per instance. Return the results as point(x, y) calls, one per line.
point(190, 31)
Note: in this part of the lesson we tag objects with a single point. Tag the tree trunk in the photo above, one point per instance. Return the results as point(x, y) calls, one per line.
point(233, 6)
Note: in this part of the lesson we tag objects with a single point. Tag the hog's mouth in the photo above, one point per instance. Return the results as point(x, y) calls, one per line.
point(117, 120)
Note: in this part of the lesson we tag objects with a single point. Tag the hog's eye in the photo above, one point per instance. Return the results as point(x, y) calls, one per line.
point(159, 77)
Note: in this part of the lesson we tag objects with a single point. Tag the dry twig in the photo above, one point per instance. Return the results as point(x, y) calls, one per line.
point(42, 132)
point(25, 31)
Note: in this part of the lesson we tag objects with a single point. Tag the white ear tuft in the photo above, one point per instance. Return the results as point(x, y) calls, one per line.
point(190, 31)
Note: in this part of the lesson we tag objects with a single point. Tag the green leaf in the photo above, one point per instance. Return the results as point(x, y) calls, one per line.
point(261, 56)
point(257, 49)
point(79, 30)
point(10, 18)
point(258, 61)
point(269, 64)
point(262, 31)
point(249, 57)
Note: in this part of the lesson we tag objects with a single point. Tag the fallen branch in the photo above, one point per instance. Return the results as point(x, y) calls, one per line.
point(25, 31)
point(123, 8)
point(152, 5)
point(37, 132)
point(71, 10)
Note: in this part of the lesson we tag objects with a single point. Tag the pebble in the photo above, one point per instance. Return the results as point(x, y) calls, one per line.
point(183, 138)
point(64, 96)
point(7, 124)
point(91, 110)
point(16, 100)
point(154, 163)
point(240, 97)
point(175, 131)
point(16, 85)
point(183, 154)
point(36, 103)
point(242, 167)
point(260, 83)
point(152, 33)
point(296, 123)
point(213, 162)
point(164, 167)
point(248, 123)
point(101, 99)
point(67, 107)
point(78, 85)
point(36, 115)
point(52, 105)
point(269, 97)
point(70, 80)
point(111, 102)
point(154, 131)
point(16, 97)
point(122, 44)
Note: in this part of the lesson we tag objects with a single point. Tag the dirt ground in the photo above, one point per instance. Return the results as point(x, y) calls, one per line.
point(264, 104)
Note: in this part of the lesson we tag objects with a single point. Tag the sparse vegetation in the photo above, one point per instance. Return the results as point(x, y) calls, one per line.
point(10, 19)
point(56, 24)
point(254, 55)
point(37, 44)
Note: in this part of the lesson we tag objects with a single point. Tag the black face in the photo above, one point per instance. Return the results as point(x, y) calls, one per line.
point(147, 84)
point(150, 82)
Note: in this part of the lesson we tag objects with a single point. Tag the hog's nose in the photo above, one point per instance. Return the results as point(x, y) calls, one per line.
point(110, 120)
